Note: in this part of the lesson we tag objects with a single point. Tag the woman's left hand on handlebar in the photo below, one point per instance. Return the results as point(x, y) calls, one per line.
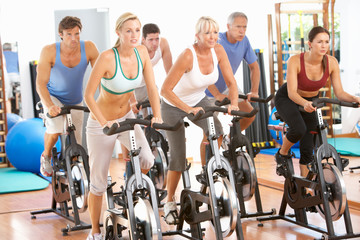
point(134, 108)
point(110, 123)
point(358, 100)
point(232, 108)
point(156, 120)
point(308, 107)
point(252, 95)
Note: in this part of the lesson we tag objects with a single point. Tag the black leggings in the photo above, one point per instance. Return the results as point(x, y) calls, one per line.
point(300, 123)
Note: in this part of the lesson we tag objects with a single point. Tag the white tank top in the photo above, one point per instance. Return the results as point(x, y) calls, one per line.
point(154, 61)
point(192, 85)
point(157, 56)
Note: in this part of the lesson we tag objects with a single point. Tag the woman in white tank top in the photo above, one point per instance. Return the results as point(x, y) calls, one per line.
point(184, 92)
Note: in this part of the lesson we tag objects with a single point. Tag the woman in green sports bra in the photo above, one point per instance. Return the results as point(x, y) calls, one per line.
point(117, 71)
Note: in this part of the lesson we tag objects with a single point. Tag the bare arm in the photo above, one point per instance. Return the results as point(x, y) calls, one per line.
point(47, 59)
point(150, 83)
point(166, 55)
point(182, 64)
point(336, 82)
point(92, 52)
point(101, 67)
point(228, 76)
point(255, 80)
point(215, 92)
point(133, 102)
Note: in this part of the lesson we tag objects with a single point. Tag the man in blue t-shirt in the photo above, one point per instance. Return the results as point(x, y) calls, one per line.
point(59, 82)
point(237, 47)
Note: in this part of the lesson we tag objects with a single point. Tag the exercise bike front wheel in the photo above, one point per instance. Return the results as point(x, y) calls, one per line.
point(227, 203)
point(160, 168)
point(145, 219)
point(246, 166)
point(81, 184)
point(109, 226)
point(337, 192)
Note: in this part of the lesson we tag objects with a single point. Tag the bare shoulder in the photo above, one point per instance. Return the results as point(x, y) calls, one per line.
point(333, 62)
point(294, 60)
point(142, 50)
point(107, 54)
point(89, 45)
point(48, 53)
point(163, 42)
point(186, 55)
point(49, 49)
point(91, 50)
point(219, 50)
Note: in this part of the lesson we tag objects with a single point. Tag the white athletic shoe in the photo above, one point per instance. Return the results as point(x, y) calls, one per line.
point(96, 236)
point(171, 213)
point(45, 166)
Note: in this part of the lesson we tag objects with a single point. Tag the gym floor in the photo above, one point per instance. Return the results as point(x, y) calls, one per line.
point(16, 222)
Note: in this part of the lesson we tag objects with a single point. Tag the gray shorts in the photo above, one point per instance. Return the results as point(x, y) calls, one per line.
point(58, 124)
point(176, 139)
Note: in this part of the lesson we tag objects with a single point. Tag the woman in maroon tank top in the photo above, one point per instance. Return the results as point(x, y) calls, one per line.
point(306, 74)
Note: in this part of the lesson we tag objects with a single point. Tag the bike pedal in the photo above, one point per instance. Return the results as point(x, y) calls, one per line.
point(201, 179)
point(110, 186)
point(344, 162)
point(226, 154)
point(280, 171)
point(311, 209)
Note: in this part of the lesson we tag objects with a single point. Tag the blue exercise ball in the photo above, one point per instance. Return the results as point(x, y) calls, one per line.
point(277, 136)
point(12, 119)
point(25, 143)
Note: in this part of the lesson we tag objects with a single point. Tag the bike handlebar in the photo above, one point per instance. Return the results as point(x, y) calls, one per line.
point(129, 124)
point(68, 108)
point(143, 104)
point(226, 101)
point(320, 102)
point(209, 111)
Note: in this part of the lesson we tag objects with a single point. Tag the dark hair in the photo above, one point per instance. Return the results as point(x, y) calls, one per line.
point(69, 23)
point(315, 31)
point(150, 28)
point(312, 34)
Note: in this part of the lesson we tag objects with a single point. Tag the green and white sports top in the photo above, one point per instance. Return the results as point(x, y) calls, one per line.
point(119, 83)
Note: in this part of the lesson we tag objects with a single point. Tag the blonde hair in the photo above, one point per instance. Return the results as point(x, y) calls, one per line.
point(120, 22)
point(204, 24)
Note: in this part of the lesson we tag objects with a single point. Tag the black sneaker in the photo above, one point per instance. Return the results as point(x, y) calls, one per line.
point(281, 163)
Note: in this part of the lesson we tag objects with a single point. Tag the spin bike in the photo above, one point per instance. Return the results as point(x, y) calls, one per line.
point(240, 153)
point(134, 207)
point(160, 148)
point(217, 190)
point(71, 175)
point(325, 179)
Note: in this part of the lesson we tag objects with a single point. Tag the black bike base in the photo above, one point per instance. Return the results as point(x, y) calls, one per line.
point(290, 218)
point(81, 226)
point(63, 211)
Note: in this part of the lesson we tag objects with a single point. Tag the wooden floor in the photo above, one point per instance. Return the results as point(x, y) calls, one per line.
point(16, 222)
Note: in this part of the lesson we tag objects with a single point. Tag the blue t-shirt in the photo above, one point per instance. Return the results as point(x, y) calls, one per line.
point(236, 53)
point(66, 84)
point(12, 61)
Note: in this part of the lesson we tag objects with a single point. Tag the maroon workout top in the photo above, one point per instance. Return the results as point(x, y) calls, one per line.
point(306, 84)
